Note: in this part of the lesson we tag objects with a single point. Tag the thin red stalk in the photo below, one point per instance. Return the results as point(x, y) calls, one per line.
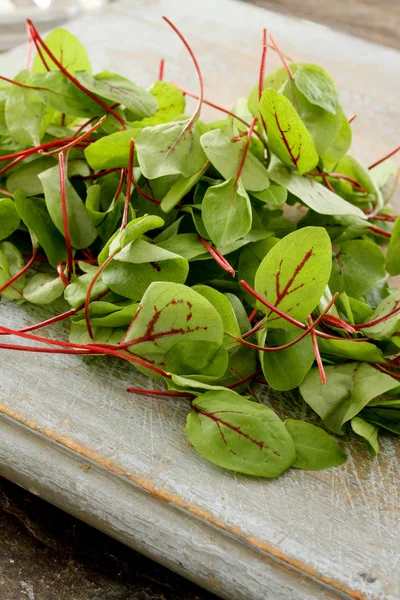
point(167, 393)
point(253, 314)
point(6, 193)
point(337, 322)
point(36, 36)
point(197, 67)
point(378, 162)
point(220, 108)
point(23, 270)
point(386, 371)
point(29, 151)
point(86, 123)
point(19, 84)
point(64, 211)
point(377, 321)
point(256, 327)
point(101, 173)
point(351, 119)
point(76, 140)
point(142, 193)
point(217, 256)
point(386, 218)
point(11, 165)
point(339, 176)
point(45, 350)
point(29, 49)
point(236, 384)
point(379, 231)
point(262, 64)
point(282, 57)
point(38, 49)
point(244, 154)
point(326, 180)
point(161, 70)
point(317, 352)
point(90, 289)
point(128, 185)
point(60, 271)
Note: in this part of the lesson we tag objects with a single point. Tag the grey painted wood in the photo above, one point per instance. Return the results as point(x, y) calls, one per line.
point(302, 536)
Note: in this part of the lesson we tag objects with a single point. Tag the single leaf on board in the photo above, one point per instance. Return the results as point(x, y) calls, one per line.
point(390, 324)
point(34, 215)
point(311, 193)
point(288, 137)
point(286, 369)
point(348, 390)
point(11, 262)
point(239, 435)
point(170, 149)
point(295, 272)
point(226, 211)
point(111, 151)
point(26, 117)
point(170, 313)
point(317, 86)
point(315, 449)
point(226, 155)
point(67, 49)
point(357, 267)
point(81, 230)
point(367, 431)
point(55, 90)
point(141, 263)
point(9, 217)
point(120, 90)
point(171, 104)
point(393, 252)
point(43, 288)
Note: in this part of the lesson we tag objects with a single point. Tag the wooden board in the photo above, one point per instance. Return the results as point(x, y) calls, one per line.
point(69, 432)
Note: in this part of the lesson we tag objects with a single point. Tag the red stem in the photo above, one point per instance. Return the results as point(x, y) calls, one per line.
point(64, 210)
point(351, 119)
point(386, 371)
point(197, 67)
point(317, 352)
point(262, 64)
point(11, 165)
point(161, 70)
point(377, 321)
point(253, 314)
point(101, 173)
point(378, 162)
point(77, 140)
point(282, 57)
point(379, 231)
point(128, 186)
point(244, 154)
point(60, 271)
point(36, 36)
point(23, 270)
point(29, 151)
point(167, 393)
point(90, 289)
point(236, 384)
point(217, 256)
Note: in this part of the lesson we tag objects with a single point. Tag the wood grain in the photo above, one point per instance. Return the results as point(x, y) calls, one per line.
point(122, 463)
point(375, 20)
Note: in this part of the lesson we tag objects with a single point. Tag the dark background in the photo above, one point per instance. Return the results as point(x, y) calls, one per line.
point(46, 554)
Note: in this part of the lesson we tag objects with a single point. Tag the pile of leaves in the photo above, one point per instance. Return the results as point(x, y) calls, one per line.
point(170, 242)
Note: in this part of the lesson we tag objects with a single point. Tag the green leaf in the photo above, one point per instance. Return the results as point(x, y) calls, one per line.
point(81, 229)
point(26, 177)
point(111, 151)
point(171, 104)
point(55, 90)
point(107, 314)
point(369, 432)
point(317, 86)
point(202, 360)
point(239, 435)
point(288, 137)
point(390, 325)
point(339, 146)
point(250, 259)
point(11, 262)
point(101, 335)
point(33, 213)
point(170, 149)
point(357, 267)
point(141, 263)
point(226, 212)
point(67, 49)
point(384, 413)
point(393, 252)
point(348, 165)
point(187, 245)
point(9, 218)
point(275, 195)
point(315, 449)
point(170, 313)
point(43, 288)
point(312, 194)
point(361, 351)
point(226, 157)
point(120, 90)
point(225, 311)
point(295, 272)
point(26, 117)
point(75, 292)
point(348, 390)
point(180, 188)
point(286, 369)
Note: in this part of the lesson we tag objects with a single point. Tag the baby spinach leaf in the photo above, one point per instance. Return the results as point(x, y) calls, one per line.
point(317, 86)
point(67, 49)
point(34, 215)
point(170, 149)
point(315, 449)
point(171, 104)
point(393, 252)
point(226, 155)
point(295, 272)
point(81, 229)
point(311, 193)
point(110, 151)
point(138, 265)
point(55, 90)
point(348, 390)
point(239, 435)
point(9, 218)
point(288, 137)
point(357, 267)
point(119, 89)
point(170, 313)
point(226, 211)
point(368, 431)
point(43, 288)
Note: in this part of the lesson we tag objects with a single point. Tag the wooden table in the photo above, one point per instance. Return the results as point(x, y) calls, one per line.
point(71, 433)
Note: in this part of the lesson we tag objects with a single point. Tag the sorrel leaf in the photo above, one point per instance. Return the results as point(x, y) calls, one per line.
point(367, 431)
point(317, 86)
point(43, 288)
point(9, 217)
point(315, 449)
point(67, 49)
point(393, 252)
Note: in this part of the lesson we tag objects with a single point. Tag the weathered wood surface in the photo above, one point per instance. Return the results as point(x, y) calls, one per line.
point(71, 433)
